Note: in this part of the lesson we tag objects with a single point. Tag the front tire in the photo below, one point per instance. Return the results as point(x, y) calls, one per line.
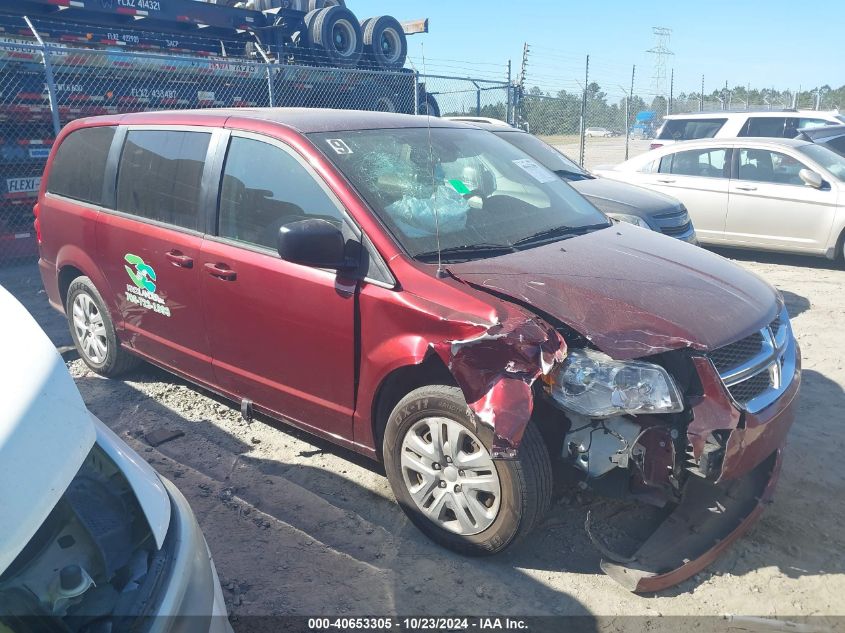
point(445, 480)
point(93, 331)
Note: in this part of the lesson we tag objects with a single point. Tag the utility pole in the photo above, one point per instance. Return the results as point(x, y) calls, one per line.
point(701, 101)
point(584, 111)
point(628, 111)
point(519, 101)
point(671, 93)
point(525, 50)
point(508, 118)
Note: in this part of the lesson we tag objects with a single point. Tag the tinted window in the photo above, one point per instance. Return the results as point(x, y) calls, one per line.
point(690, 129)
point(761, 165)
point(794, 125)
point(79, 167)
point(160, 174)
point(836, 144)
point(764, 126)
point(265, 187)
point(709, 163)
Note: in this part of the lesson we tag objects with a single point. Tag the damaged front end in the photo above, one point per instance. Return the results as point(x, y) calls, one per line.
point(698, 433)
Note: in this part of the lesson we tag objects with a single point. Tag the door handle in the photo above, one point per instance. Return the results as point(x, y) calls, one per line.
point(178, 258)
point(746, 188)
point(221, 271)
point(666, 180)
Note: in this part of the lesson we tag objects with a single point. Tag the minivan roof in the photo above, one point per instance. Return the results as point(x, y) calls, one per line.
point(304, 120)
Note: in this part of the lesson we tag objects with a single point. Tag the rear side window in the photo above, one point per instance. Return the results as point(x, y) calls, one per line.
point(690, 129)
point(708, 163)
point(79, 167)
point(794, 125)
point(770, 126)
point(160, 175)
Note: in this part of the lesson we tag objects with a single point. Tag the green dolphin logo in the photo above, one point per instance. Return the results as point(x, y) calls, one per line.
point(143, 276)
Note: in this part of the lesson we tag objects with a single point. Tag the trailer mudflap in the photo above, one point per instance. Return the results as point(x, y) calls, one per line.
point(709, 518)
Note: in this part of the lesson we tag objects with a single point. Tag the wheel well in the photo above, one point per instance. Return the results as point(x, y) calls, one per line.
point(840, 252)
point(398, 384)
point(66, 276)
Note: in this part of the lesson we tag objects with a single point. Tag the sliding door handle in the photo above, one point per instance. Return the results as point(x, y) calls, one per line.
point(221, 271)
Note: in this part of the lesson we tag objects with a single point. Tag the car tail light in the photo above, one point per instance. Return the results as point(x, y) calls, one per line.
point(655, 146)
point(36, 223)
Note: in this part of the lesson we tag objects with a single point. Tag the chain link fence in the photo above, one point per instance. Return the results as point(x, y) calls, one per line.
point(42, 88)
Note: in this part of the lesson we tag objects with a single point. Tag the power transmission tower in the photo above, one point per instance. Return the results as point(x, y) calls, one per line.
point(661, 53)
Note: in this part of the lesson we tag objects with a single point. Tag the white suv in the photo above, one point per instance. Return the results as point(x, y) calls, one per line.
point(775, 123)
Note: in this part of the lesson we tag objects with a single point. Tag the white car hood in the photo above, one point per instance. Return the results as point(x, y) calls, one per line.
point(45, 434)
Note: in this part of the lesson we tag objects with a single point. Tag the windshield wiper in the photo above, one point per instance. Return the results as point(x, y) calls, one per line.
point(567, 174)
point(467, 251)
point(558, 233)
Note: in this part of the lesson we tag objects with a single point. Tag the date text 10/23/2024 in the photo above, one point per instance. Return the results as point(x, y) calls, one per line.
point(412, 624)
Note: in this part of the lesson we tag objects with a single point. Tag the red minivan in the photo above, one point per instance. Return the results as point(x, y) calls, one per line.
point(426, 294)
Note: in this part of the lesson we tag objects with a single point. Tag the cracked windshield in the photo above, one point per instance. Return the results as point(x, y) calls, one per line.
point(486, 197)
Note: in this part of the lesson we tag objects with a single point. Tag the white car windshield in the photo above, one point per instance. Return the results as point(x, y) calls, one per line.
point(830, 160)
point(484, 196)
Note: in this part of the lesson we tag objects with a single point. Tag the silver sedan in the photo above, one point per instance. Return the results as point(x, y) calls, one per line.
point(763, 193)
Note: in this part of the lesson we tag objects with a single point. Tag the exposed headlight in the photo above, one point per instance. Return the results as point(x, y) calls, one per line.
point(595, 385)
point(630, 219)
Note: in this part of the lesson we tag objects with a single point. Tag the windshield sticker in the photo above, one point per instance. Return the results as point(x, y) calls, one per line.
point(339, 146)
point(538, 173)
point(143, 292)
point(460, 187)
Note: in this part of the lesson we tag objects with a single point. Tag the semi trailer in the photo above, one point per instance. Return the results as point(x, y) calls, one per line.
point(113, 56)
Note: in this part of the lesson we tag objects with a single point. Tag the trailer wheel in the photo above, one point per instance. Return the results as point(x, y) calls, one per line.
point(316, 5)
point(373, 96)
point(335, 33)
point(428, 105)
point(385, 45)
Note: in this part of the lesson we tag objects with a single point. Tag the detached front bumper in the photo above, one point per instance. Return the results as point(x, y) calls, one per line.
point(711, 516)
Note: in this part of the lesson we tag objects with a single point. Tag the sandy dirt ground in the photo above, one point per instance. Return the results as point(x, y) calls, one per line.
point(297, 526)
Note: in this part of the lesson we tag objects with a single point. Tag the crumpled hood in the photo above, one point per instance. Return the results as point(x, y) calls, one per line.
point(631, 291)
point(612, 196)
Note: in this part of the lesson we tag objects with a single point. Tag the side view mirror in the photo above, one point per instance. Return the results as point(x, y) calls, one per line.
point(316, 243)
point(811, 178)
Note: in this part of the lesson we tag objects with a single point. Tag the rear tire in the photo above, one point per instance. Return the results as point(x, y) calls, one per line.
point(93, 332)
point(316, 5)
point(840, 250)
point(444, 479)
point(428, 105)
point(385, 44)
point(335, 36)
point(372, 95)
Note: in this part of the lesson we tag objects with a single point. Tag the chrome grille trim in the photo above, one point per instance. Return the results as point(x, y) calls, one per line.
point(763, 368)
